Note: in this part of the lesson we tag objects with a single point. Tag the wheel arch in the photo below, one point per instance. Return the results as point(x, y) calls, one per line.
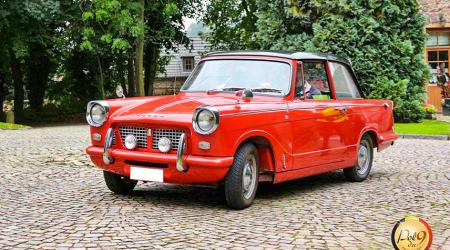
point(373, 135)
point(268, 147)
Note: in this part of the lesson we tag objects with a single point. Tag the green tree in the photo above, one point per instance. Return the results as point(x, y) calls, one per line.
point(3, 76)
point(140, 28)
point(232, 24)
point(27, 30)
point(140, 52)
point(114, 27)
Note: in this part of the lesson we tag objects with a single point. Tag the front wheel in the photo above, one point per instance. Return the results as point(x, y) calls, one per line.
point(119, 184)
point(363, 163)
point(241, 182)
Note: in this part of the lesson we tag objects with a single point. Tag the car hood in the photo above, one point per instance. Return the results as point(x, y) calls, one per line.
point(168, 108)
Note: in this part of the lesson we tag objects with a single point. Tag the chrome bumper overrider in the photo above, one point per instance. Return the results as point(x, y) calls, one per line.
point(180, 163)
point(107, 159)
point(181, 166)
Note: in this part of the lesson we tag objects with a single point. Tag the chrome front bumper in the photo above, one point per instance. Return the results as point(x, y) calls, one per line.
point(180, 163)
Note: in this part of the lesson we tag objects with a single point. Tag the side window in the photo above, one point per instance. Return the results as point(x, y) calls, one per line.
point(316, 82)
point(299, 82)
point(344, 82)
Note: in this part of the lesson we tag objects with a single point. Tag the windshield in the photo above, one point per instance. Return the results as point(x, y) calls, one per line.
point(267, 77)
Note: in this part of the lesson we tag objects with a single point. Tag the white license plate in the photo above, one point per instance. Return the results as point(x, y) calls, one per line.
point(147, 174)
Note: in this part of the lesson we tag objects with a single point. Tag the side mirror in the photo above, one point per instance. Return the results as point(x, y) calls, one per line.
point(246, 95)
point(119, 92)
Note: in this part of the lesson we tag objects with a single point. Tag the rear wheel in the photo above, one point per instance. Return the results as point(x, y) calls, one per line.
point(241, 182)
point(364, 160)
point(119, 184)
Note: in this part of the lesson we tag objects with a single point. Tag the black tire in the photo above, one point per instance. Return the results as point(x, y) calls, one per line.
point(359, 173)
point(119, 184)
point(235, 194)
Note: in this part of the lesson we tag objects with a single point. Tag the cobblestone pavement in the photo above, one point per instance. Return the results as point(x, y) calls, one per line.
point(52, 197)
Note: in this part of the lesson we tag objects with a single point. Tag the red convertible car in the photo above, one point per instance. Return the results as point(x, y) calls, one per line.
point(242, 118)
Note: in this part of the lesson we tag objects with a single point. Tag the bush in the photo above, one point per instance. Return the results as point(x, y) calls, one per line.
point(68, 109)
point(430, 111)
point(409, 111)
point(405, 109)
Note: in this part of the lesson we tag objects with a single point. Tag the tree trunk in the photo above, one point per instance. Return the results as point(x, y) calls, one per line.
point(38, 71)
point(151, 60)
point(101, 85)
point(130, 76)
point(139, 62)
point(121, 72)
point(2, 95)
point(18, 86)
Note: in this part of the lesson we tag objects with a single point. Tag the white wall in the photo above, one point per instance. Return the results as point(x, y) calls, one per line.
point(196, 48)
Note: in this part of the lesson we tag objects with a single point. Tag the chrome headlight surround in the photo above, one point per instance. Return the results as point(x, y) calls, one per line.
point(105, 110)
point(215, 114)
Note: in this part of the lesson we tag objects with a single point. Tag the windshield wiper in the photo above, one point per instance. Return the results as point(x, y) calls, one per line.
point(210, 91)
point(232, 89)
point(267, 90)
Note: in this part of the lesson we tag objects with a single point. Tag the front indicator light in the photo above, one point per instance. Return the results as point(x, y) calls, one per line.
point(204, 145)
point(96, 137)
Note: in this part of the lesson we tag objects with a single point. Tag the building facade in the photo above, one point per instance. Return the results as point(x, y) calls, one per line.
point(437, 48)
point(182, 61)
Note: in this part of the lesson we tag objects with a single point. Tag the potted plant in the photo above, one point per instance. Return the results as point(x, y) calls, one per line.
point(430, 112)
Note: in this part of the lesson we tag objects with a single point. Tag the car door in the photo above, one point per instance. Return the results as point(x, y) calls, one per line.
point(362, 114)
point(349, 95)
point(317, 118)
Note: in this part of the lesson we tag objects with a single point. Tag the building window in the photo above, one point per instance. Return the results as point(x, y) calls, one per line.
point(188, 63)
point(437, 54)
point(439, 38)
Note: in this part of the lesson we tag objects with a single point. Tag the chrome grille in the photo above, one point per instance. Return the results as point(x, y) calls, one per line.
point(140, 133)
point(172, 134)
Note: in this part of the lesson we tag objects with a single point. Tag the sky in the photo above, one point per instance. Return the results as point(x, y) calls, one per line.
point(188, 21)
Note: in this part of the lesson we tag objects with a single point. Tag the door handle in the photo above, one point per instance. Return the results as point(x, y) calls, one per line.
point(342, 109)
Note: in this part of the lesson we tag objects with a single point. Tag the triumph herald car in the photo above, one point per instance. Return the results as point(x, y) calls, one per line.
point(242, 118)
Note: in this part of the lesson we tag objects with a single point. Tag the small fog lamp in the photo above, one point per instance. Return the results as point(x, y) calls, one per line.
point(130, 142)
point(164, 144)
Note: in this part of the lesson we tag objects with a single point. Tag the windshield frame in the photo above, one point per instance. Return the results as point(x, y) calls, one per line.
point(246, 58)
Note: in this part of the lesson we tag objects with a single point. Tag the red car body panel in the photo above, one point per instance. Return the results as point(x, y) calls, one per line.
point(296, 137)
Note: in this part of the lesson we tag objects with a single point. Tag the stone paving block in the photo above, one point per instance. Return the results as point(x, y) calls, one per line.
point(53, 197)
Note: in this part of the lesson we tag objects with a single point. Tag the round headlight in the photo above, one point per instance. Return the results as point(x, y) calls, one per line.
point(97, 113)
point(205, 120)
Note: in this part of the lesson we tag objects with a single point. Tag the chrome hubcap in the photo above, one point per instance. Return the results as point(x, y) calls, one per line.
point(249, 177)
point(363, 158)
